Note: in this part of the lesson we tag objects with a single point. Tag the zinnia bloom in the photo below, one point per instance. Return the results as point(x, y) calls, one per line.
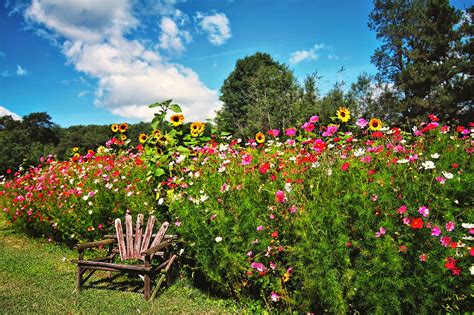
point(176, 119)
point(260, 137)
point(290, 132)
point(436, 231)
point(375, 124)
point(142, 138)
point(343, 114)
point(416, 223)
point(449, 226)
point(114, 127)
point(280, 196)
point(362, 123)
point(273, 132)
point(424, 211)
point(345, 166)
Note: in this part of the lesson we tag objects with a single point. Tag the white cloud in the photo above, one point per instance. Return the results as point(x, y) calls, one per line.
point(6, 112)
point(21, 72)
point(83, 93)
point(333, 56)
point(130, 75)
point(302, 55)
point(172, 38)
point(217, 27)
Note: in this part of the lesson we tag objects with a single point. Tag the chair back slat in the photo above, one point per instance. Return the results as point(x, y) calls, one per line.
point(148, 233)
point(129, 235)
point(160, 234)
point(120, 240)
point(138, 237)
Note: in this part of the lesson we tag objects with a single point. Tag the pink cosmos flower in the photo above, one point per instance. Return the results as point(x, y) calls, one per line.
point(413, 158)
point(381, 232)
point(100, 226)
point(449, 226)
point(423, 257)
point(445, 240)
point(273, 132)
point(331, 129)
point(275, 297)
point(374, 197)
point(258, 266)
point(406, 221)
point(290, 132)
point(424, 211)
point(314, 119)
point(402, 209)
point(308, 127)
point(436, 231)
point(366, 159)
point(249, 254)
point(280, 196)
point(273, 265)
point(440, 179)
point(246, 159)
point(293, 209)
point(362, 123)
point(260, 227)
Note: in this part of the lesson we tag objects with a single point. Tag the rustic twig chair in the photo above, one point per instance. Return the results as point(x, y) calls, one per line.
point(133, 246)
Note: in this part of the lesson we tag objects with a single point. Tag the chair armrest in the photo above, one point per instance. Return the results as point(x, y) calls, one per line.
point(156, 248)
point(95, 244)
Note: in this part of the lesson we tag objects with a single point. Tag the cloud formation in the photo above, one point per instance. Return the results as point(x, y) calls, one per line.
point(131, 74)
point(302, 55)
point(21, 72)
point(217, 27)
point(5, 112)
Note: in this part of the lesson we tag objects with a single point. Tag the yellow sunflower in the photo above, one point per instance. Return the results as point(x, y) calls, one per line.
point(75, 149)
point(156, 134)
point(375, 124)
point(123, 137)
point(197, 128)
point(114, 127)
point(177, 119)
point(76, 155)
point(343, 114)
point(142, 138)
point(163, 140)
point(260, 137)
point(123, 127)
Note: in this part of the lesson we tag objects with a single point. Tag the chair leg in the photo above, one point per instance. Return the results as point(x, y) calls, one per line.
point(147, 288)
point(79, 279)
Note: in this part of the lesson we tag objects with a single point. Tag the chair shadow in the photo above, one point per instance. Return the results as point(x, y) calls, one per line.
point(117, 282)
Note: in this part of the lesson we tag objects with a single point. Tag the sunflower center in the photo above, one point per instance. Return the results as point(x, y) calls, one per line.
point(375, 124)
point(343, 114)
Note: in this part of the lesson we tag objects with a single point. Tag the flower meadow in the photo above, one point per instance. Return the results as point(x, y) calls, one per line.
point(341, 216)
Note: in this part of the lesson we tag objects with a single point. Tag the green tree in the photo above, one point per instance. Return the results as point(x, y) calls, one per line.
point(427, 55)
point(237, 95)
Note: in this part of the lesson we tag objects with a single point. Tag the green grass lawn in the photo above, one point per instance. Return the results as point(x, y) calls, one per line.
point(37, 277)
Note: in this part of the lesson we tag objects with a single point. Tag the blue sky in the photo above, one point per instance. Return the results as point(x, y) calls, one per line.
point(99, 62)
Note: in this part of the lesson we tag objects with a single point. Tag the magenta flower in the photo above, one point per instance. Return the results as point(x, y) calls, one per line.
point(290, 132)
point(246, 159)
point(440, 179)
point(381, 232)
point(445, 240)
point(361, 123)
point(436, 231)
point(424, 211)
point(406, 221)
point(314, 119)
point(273, 132)
point(402, 209)
point(260, 227)
point(449, 226)
point(275, 297)
point(331, 129)
point(293, 209)
point(308, 127)
point(258, 266)
point(280, 196)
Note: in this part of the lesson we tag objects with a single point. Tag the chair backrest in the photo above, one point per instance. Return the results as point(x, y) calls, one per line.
point(131, 246)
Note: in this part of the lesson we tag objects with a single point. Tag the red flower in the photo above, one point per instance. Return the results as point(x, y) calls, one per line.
point(454, 165)
point(416, 223)
point(450, 263)
point(345, 166)
point(377, 134)
point(460, 128)
point(280, 196)
point(264, 168)
point(274, 234)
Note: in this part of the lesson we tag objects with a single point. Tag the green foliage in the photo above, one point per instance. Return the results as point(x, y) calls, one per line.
point(427, 54)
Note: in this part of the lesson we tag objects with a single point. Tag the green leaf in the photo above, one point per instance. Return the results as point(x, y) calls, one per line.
point(154, 105)
point(225, 133)
point(159, 171)
point(182, 149)
point(175, 108)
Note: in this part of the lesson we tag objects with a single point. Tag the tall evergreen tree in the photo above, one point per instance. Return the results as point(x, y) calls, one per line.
point(427, 54)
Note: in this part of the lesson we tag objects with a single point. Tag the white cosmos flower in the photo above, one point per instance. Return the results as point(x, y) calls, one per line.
point(359, 152)
point(288, 187)
point(402, 161)
point(218, 239)
point(428, 165)
point(435, 156)
point(448, 175)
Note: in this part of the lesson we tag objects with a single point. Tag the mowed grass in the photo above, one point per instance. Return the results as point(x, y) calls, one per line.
point(38, 277)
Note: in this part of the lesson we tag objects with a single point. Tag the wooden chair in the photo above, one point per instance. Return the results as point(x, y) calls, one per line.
point(135, 246)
